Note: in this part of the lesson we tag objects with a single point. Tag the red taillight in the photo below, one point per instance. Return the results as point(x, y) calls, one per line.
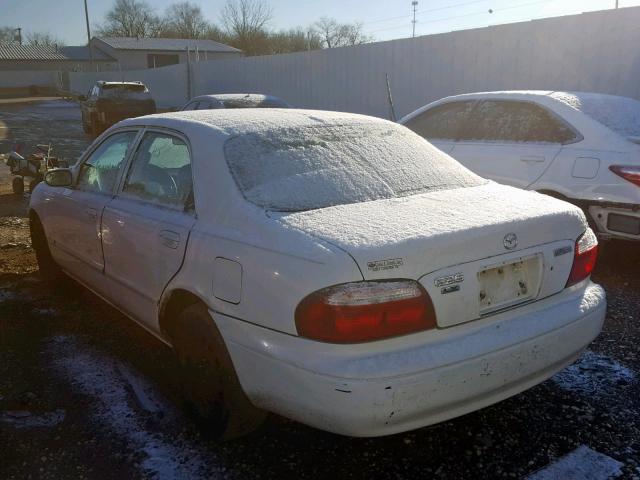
point(365, 311)
point(628, 172)
point(584, 257)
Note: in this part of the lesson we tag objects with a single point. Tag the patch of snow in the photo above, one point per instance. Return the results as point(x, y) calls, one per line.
point(581, 464)
point(110, 383)
point(25, 419)
point(593, 374)
point(620, 114)
point(56, 104)
point(297, 168)
point(146, 396)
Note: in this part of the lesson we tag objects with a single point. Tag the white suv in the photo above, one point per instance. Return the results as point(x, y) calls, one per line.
point(580, 147)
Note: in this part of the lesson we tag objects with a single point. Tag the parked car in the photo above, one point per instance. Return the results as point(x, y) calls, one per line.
point(581, 147)
point(107, 103)
point(333, 268)
point(235, 100)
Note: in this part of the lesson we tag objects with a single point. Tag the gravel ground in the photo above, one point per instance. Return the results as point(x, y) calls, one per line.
point(84, 393)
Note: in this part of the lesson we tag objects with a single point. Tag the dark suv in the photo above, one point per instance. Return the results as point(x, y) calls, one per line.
point(109, 102)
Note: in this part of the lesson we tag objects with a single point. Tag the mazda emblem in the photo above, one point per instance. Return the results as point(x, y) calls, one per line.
point(510, 241)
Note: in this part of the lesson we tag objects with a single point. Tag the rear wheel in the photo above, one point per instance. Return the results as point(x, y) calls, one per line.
point(211, 387)
point(17, 185)
point(48, 268)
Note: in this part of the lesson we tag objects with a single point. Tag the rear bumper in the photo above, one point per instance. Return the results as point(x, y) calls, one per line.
point(409, 382)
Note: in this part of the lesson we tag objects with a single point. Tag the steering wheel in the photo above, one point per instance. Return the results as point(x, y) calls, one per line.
point(165, 182)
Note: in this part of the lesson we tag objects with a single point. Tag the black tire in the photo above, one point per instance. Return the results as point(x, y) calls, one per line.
point(17, 185)
point(49, 270)
point(210, 385)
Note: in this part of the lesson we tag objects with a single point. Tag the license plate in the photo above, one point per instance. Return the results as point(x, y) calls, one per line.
point(508, 284)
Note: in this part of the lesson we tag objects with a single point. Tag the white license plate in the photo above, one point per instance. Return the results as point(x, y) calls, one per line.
point(508, 284)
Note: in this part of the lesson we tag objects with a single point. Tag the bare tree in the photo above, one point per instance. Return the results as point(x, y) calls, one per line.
point(296, 40)
point(131, 18)
point(7, 35)
point(246, 22)
point(217, 34)
point(334, 34)
point(42, 39)
point(185, 20)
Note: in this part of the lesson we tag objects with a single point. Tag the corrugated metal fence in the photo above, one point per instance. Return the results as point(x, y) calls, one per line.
point(597, 51)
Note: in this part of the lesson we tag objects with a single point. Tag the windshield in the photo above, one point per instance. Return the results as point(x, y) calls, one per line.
point(310, 167)
point(620, 114)
point(124, 90)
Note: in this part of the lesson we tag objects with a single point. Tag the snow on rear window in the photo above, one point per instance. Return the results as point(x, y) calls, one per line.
point(308, 167)
point(620, 114)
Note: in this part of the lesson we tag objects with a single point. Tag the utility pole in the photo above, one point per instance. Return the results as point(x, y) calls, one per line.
point(415, 4)
point(86, 17)
point(19, 36)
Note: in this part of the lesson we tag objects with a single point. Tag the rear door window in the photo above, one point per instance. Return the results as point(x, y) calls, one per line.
point(160, 171)
point(443, 122)
point(505, 121)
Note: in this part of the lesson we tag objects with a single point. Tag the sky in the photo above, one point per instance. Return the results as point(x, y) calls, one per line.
point(381, 19)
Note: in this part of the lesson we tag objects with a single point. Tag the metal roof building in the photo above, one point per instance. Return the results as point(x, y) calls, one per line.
point(139, 53)
point(16, 57)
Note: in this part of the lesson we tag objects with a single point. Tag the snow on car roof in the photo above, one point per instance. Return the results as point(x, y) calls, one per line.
point(228, 96)
point(230, 122)
point(246, 100)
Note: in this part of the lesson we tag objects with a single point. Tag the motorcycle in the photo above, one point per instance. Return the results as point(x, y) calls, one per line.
point(33, 166)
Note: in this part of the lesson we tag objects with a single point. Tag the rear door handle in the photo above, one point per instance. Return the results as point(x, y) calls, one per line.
point(169, 239)
point(532, 158)
point(91, 213)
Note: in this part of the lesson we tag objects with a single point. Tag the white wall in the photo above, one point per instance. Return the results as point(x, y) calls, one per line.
point(26, 78)
point(598, 51)
point(168, 85)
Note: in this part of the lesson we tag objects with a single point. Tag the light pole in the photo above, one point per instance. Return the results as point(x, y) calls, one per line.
point(415, 4)
point(86, 17)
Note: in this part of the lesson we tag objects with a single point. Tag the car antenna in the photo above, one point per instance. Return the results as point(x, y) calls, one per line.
point(392, 110)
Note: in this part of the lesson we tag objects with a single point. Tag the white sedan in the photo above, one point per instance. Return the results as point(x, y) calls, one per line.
point(333, 268)
point(581, 147)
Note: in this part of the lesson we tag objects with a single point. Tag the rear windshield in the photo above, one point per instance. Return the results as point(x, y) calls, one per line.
point(253, 102)
point(304, 168)
point(620, 114)
point(126, 90)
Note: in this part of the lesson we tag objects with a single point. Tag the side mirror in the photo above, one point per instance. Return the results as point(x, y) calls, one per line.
point(59, 177)
point(82, 98)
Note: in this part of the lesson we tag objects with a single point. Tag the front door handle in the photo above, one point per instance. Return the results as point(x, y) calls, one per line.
point(169, 239)
point(533, 158)
point(91, 213)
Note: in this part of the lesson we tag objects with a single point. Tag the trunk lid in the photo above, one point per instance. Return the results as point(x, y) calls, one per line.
point(475, 250)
